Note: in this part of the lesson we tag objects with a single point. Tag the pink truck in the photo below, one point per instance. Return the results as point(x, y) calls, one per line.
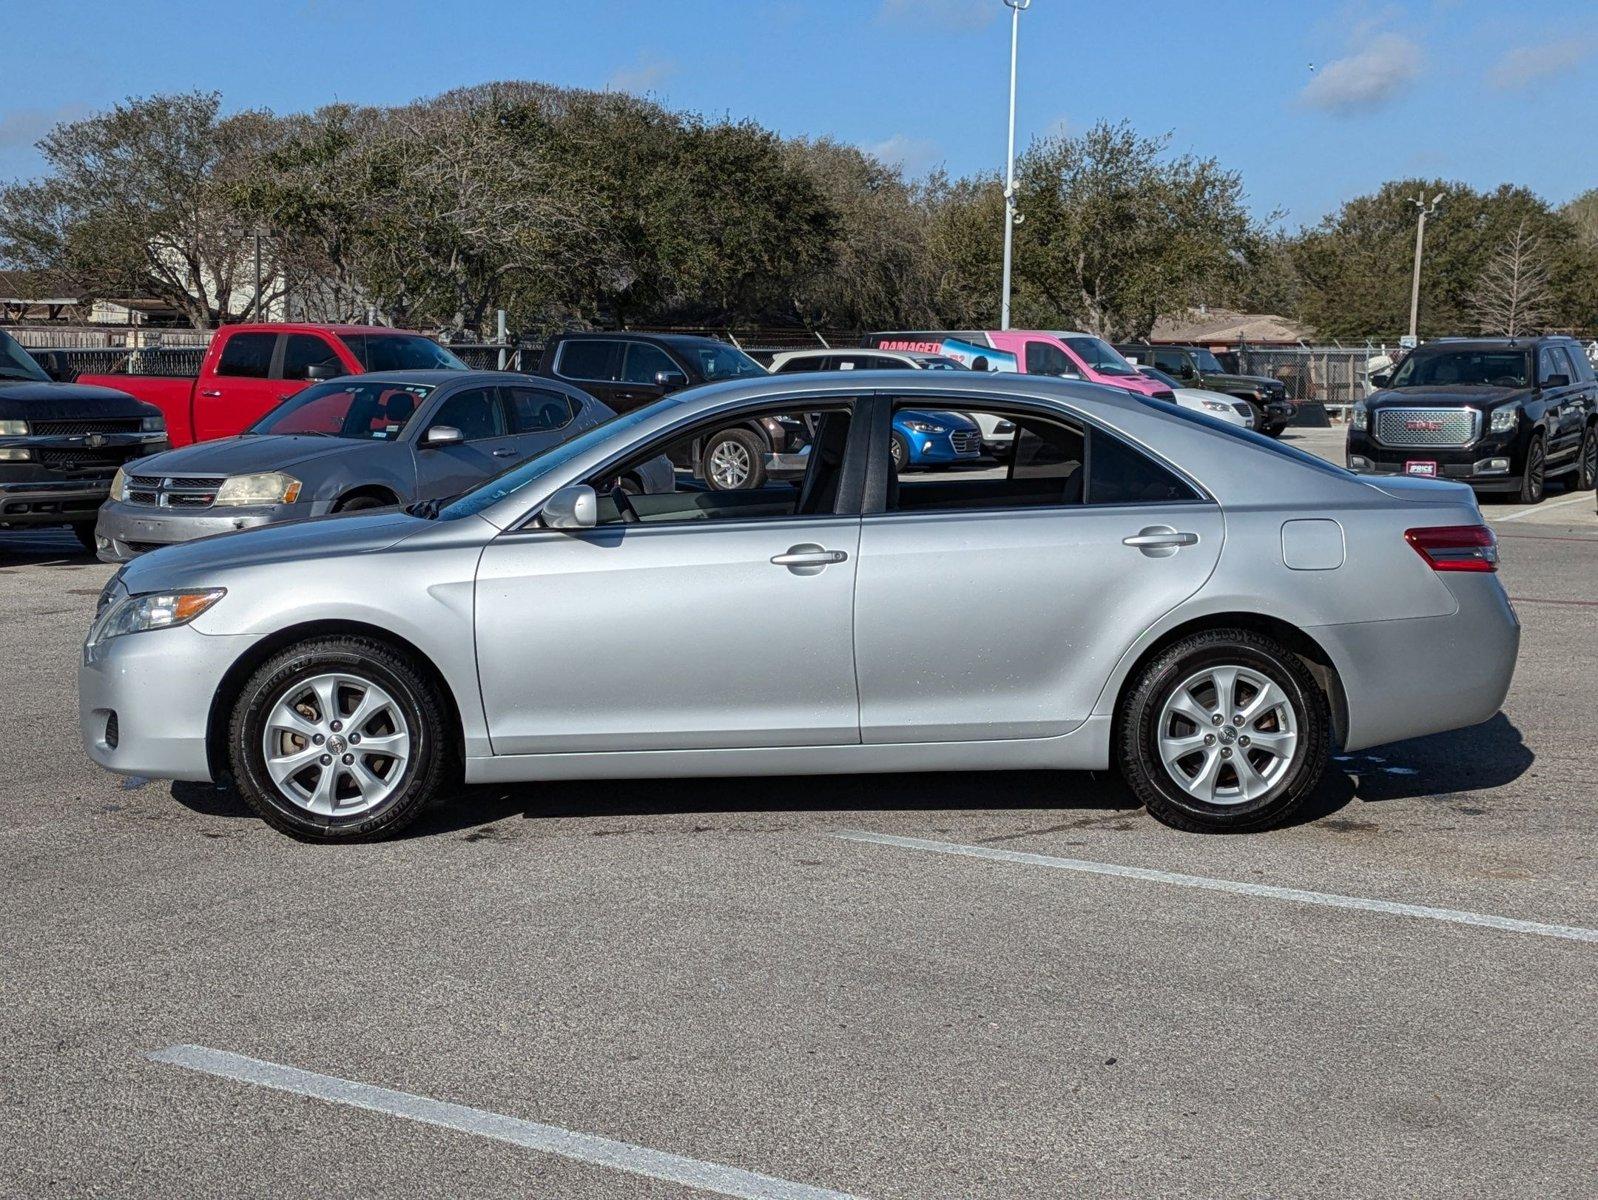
point(1031, 352)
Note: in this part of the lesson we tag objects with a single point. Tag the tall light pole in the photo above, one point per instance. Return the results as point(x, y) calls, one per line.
point(1016, 7)
point(1425, 210)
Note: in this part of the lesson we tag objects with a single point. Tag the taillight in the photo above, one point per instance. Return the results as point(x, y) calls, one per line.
point(1455, 547)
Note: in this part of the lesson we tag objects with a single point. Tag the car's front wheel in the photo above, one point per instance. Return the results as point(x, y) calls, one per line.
point(1535, 477)
point(734, 460)
point(1587, 472)
point(1224, 731)
point(340, 739)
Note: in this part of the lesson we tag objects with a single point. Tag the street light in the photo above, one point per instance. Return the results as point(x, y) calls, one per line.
point(1010, 218)
point(1425, 210)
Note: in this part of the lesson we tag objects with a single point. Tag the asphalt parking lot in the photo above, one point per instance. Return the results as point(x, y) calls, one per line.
point(876, 987)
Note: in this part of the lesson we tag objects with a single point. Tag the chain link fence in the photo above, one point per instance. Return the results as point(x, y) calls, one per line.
point(1331, 376)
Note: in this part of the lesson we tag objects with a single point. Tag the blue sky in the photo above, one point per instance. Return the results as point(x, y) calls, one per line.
point(1475, 90)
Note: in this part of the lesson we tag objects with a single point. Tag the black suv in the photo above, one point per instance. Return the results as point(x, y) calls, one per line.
point(61, 443)
point(630, 370)
point(1196, 367)
point(1501, 414)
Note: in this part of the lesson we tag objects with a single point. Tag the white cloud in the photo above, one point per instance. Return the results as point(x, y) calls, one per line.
point(645, 74)
point(24, 126)
point(947, 14)
point(912, 155)
point(1526, 65)
point(1378, 72)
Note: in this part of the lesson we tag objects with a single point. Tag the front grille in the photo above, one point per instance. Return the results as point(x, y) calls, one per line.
point(77, 428)
point(173, 491)
point(82, 459)
point(966, 441)
point(1244, 409)
point(1428, 428)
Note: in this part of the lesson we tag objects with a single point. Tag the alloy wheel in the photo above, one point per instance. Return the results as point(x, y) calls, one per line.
point(730, 464)
point(336, 744)
point(1227, 735)
point(1535, 467)
point(1589, 459)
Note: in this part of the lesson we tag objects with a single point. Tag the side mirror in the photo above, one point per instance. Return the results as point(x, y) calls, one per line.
point(1553, 381)
point(670, 379)
point(321, 371)
point(1381, 379)
point(442, 435)
point(56, 366)
point(573, 507)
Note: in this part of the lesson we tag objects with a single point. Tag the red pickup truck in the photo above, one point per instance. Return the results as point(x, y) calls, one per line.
point(249, 369)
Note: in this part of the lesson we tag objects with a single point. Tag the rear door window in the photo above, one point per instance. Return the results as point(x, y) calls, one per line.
point(598, 360)
point(247, 355)
point(1120, 474)
point(537, 410)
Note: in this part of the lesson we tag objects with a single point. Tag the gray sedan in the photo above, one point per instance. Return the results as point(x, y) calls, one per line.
point(361, 442)
point(1208, 610)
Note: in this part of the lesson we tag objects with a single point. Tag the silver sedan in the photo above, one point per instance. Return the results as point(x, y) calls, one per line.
point(1212, 612)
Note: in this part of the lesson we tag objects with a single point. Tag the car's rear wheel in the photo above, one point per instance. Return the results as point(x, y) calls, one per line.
point(340, 739)
point(1535, 477)
point(899, 451)
point(1587, 473)
point(733, 460)
point(1224, 731)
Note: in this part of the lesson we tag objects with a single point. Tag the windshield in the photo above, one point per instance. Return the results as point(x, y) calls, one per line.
point(1464, 368)
point(17, 363)
point(529, 470)
point(1207, 362)
point(375, 412)
point(721, 362)
point(1100, 355)
point(400, 352)
point(1194, 417)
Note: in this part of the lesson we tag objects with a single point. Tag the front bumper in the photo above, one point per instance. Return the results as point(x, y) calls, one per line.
point(126, 531)
point(1473, 464)
point(52, 501)
point(159, 685)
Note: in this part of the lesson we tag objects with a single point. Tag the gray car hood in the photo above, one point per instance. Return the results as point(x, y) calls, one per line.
point(249, 454)
point(203, 563)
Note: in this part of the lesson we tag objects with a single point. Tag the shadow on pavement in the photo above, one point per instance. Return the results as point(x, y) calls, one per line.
point(1486, 756)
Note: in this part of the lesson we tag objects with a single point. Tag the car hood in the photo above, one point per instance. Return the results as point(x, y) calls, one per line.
point(951, 420)
point(1245, 381)
point(249, 454)
point(203, 563)
point(1449, 397)
point(25, 399)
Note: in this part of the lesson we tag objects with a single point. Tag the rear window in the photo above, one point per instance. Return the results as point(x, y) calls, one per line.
point(400, 352)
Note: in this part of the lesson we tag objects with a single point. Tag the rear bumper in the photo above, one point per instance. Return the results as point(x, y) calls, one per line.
point(53, 501)
point(1409, 678)
point(160, 686)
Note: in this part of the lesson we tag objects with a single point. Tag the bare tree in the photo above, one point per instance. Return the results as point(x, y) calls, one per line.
point(1513, 296)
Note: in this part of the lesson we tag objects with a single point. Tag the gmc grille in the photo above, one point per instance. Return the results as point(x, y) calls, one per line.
point(1427, 428)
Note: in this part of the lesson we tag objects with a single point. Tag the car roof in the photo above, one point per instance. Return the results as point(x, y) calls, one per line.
point(686, 340)
point(1494, 343)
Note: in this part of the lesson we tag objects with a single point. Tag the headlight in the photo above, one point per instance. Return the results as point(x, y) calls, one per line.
point(924, 427)
point(152, 425)
point(1504, 419)
point(119, 485)
point(273, 487)
point(1360, 417)
point(1217, 406)
point(13, 429)
point(155, 610)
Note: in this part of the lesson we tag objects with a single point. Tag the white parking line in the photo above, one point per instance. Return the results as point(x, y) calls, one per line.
point(550, 1139)
point(1327, 899)
point(1544, 507)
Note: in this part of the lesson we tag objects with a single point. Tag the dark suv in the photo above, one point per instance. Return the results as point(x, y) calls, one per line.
point(630, 370)
point(1196, 367)
point(61, 444)
point(1501, 414)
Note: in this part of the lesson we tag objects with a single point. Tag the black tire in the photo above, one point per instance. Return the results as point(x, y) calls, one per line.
point(430, 769)
point(362, 504)
point(734, 442)
point(1534, 479)
point(1138, 732)
point(84, 532)
point(1587, 470)
point(631, 485)
point(899, 451)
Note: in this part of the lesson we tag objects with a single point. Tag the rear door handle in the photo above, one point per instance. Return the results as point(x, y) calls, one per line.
point(1160, 541)
point(807, 558)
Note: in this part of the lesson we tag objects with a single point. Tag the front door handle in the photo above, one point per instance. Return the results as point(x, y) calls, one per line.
point(1160, 541)
point(807, 558)
point(212, 394)
point(504, 452)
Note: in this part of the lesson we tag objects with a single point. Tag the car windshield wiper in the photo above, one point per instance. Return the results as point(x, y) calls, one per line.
point(426, 509)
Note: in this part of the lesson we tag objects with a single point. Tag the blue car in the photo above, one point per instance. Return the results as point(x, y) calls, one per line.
point(934, 439)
